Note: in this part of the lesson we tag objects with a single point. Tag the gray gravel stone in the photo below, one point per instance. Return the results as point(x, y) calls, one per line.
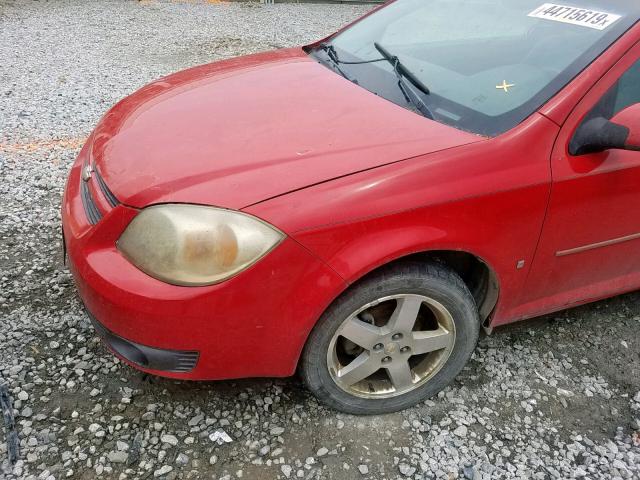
point(118, 457)
point(461, 431)
point(170, 439)
point(165, 469)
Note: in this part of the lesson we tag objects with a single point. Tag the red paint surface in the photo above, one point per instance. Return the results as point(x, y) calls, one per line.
point(276, 122)
point(594, 198)
point(630, 118)
point(355, 182)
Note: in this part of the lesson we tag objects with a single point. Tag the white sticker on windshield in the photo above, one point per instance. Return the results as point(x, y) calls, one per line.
point(575, 16)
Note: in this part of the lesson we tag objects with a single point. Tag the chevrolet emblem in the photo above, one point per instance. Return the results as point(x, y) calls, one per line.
point(86, 173)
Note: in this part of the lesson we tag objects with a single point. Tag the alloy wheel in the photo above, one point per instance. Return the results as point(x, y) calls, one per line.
point(391, 346)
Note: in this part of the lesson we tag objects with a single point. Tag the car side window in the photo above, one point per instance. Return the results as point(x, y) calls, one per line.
point(623, 94)
point(628, 88)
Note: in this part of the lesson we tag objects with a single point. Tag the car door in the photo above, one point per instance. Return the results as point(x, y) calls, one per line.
point(590, 243)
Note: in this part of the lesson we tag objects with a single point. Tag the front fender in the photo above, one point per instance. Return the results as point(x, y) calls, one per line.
point(487, 199)
point(499, 229)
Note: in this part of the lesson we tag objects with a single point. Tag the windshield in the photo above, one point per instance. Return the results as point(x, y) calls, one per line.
point(488, 64)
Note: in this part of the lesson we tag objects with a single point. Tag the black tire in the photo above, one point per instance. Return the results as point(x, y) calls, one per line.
point(431, 280)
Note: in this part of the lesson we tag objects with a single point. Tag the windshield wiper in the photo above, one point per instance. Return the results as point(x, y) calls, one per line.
point(333, 56)
point(403, 72)
point(401, 68)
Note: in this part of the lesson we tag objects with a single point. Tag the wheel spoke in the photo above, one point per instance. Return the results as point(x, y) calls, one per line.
point(358, 369)
point(370, 358)
point(431, 341)
point(400, 375)
point(405, 315)
point(361, 333)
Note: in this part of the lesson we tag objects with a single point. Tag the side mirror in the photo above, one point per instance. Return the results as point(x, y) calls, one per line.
point(599, 134)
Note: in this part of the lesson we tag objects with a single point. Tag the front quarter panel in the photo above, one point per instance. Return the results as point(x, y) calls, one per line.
point(487, 199)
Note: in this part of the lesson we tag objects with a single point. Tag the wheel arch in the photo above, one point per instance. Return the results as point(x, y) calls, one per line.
point(322, 364)
point(477, 274)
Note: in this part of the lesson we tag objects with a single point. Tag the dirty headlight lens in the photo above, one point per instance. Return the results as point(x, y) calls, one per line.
point(195, 245)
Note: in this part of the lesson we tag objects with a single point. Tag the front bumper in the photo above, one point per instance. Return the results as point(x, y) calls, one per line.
point(254, 324)
point(143, 356)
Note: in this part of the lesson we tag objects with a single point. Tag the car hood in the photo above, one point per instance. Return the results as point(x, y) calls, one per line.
point(237, 132)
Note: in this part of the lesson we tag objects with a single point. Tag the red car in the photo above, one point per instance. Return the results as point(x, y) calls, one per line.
point(359, 208)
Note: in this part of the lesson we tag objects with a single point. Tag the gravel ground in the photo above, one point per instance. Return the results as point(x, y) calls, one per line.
point(556, 397)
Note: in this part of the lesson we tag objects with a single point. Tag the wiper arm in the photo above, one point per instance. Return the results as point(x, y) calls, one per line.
point(402, 72)
point(333, 56)
point(401, 69)
point(407, 92)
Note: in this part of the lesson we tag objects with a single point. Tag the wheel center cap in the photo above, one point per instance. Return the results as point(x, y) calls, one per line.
point(391, 348)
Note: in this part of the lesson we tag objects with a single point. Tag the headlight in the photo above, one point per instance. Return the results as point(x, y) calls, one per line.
point(195, 245)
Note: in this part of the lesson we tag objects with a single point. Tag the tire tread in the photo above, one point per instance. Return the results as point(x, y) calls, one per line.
point(414, 274)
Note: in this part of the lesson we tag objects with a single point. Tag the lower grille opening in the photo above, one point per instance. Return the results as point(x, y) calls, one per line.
point(175, 361)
